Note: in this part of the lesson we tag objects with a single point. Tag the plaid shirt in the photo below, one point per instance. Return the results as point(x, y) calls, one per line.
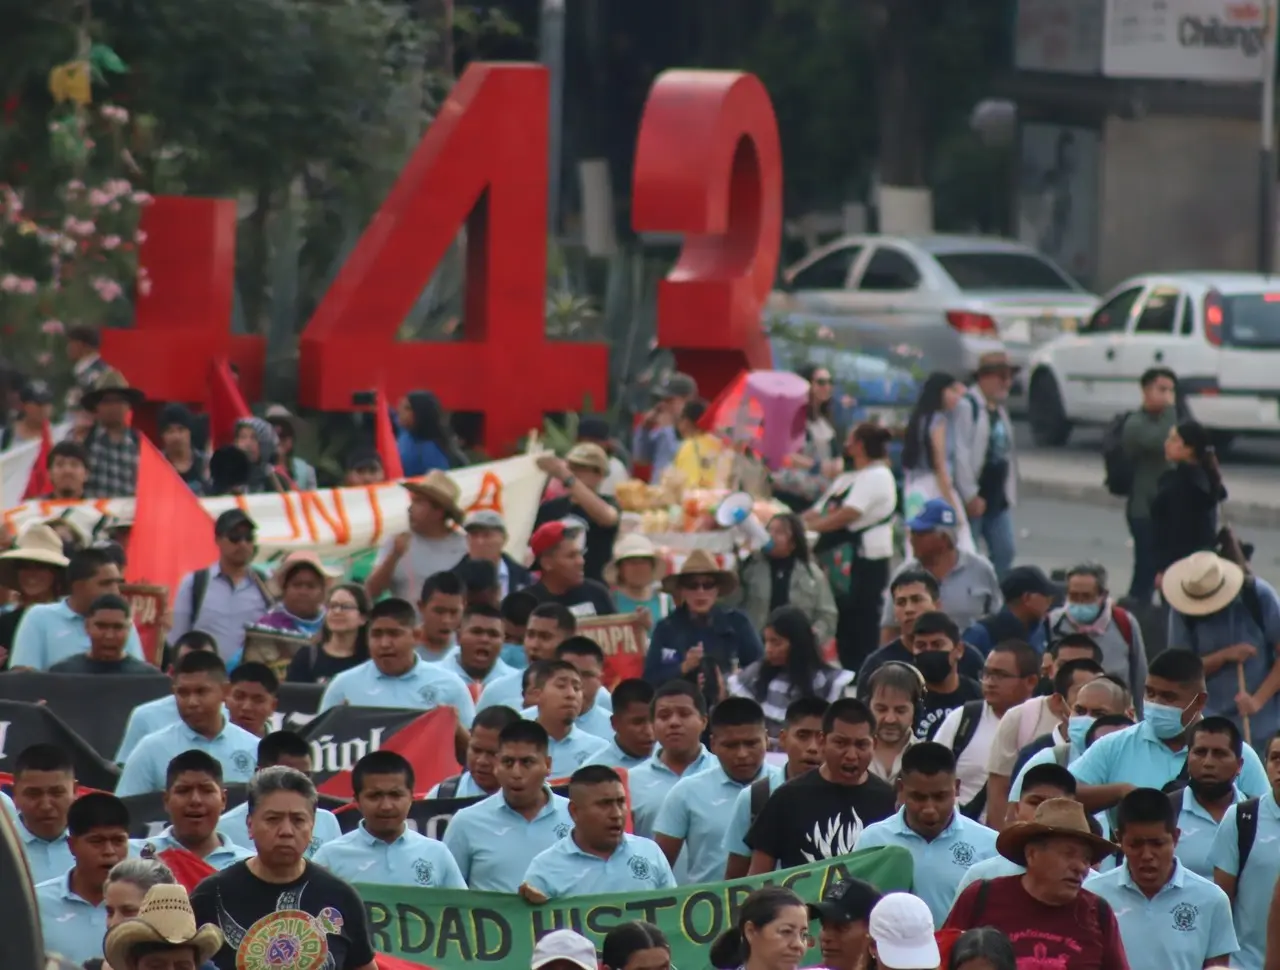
point(113, 465)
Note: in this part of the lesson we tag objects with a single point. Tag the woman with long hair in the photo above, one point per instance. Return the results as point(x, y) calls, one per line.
point(636, 946)
point(1184, 513)
point(772, 933)
point(811, 469)
point(343, 638)
point(928, 453)
point(425, 440)
point(791, 668)
point(784, 574)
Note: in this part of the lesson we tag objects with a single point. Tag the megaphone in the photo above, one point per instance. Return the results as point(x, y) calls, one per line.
point(736, 512)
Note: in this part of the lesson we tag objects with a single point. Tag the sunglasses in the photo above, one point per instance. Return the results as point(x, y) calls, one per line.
point(704, 585)
point(238, 537)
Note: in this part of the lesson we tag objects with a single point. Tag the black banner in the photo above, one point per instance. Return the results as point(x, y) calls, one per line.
point(343, 735)
point(147, 816)
point(22, 725)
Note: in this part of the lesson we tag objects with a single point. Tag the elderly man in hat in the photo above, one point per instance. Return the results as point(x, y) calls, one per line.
point(581, 473)
point(163, 936)
point(486, 533)
point(112, 445)
point(1232, 620)
point(1047, 915)
point(655, 441)
point(431, 545)
point(986, 466)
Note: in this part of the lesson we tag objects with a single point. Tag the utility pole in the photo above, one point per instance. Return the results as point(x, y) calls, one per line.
point(551, 54)
point(1267, 147)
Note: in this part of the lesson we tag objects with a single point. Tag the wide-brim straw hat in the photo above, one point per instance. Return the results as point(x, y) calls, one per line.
point(702, 563)
point(302, 559)
point(1201, 584)
point(165, 916)
point(441, 489)
point(634, 546)
point(38, 545)
point(1055, 817)
point(112, 382)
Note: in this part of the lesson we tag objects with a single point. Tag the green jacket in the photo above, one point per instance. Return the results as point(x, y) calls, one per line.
point(1143, 440)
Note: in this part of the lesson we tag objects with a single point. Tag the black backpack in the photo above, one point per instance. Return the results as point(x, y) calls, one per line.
point(761, 789)
point(970, 718)
point(449, 787)
point(200, 586)
point(1246, 825)
point(1115, 461)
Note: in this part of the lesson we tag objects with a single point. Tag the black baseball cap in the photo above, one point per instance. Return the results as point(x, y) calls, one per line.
point(232, 519)
point(1022, 580)
point(35, 392)
point(850, 901)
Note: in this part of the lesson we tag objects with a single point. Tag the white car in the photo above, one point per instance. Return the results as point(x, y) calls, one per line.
point(1218, 332)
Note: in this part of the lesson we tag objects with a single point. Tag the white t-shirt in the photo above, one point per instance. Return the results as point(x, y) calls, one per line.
point(874, 492)
point(971, 767)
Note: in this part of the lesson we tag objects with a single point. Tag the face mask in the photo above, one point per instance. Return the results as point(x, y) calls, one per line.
point(934, 665)
point(1077, 727)
point(1209, 791)
point(1165, 721)
point(1084, 612)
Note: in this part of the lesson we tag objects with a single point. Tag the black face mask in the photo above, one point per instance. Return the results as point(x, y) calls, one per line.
point(1210, 791)
point(934, 665)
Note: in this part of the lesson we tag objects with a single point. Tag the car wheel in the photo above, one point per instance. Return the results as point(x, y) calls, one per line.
point(1049, 425)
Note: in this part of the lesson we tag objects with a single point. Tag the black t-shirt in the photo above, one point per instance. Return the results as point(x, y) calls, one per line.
point(599, 538)
point(252, 913)
point(314, 666)
point(810, 818)
point(82, 663)
point(935, 707)
point(589, 599)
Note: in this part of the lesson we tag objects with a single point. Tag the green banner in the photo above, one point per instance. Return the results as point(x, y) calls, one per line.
point(449, 930)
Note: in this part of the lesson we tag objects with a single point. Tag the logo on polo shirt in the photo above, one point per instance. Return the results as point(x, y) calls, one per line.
point(311, 849)
point(428, 694)
point(1184, 917)
point(562, 830)
point(962, 854)
point(242, 761)
point(639, 867)
point(423, 871)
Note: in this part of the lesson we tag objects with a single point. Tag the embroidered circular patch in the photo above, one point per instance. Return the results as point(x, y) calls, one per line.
point(286, 940)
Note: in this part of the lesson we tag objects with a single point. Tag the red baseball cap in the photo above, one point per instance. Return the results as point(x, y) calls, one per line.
point(549, 535)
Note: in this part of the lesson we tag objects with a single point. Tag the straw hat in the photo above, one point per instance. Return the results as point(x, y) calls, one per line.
point(1054, 817)
point(702, 563)
point(441, 489)
point(1201, 584)
point(297, 560)
point(40, 545)
point(112, 382)
point(165, 916)
point(588, 455)
point(634, 546)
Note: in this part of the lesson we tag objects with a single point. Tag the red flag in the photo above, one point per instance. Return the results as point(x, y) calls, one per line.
point(385, 438)
point(226, 404)
point(395, 963)
point(426, 742)
point(39, 483)
point(172, 533)
point(187, 867)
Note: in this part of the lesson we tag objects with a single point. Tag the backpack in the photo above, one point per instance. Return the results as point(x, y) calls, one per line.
point(970, 718)
point(761, 789)
point(1246, 824)
point(1252, 603)
point(200, 586)
point(449, 787)
point(1116, 463)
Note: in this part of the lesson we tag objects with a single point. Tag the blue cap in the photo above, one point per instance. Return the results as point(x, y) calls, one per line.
point(936, 514)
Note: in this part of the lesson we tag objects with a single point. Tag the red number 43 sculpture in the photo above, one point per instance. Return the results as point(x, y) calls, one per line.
point(708, 165)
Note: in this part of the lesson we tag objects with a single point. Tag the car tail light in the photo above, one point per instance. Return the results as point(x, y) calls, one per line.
point(976, 323)
point(1213, 317)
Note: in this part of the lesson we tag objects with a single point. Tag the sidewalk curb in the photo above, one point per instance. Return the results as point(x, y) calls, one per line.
point(1237, 513)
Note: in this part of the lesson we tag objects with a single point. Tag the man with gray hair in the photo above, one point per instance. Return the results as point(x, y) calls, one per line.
point(1090, 610)
point(282, 810)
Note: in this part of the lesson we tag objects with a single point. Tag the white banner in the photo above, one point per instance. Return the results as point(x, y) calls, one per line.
point(338, 522)
point(1187, 40)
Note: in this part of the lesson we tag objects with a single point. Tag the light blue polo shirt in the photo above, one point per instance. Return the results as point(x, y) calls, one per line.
point(1045, 756)
point(434, 658)
point(572, 751)
point(614, 757)
point(994, 868)
point(508, 692)
point(147, 719)
point(1197, 828)
point(1255, 884)
point(735, 836)
point(235, 826)
point(1185, 924)
point(411, 860)
point(597, 719)
point(425, 687)
point(494, 844)
point(637, 865)
point(940, 864)
point(234, 748)
point(227, 853)
point(649, 783)
point(695, 810)
point(46, 860)
point(453, 663)
point(51, 632)
point(70, 925)
point(467, 788)
point(1137, 757)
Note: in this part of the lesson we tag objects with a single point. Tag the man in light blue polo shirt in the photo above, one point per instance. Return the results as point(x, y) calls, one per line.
point(693, 814)
point(280, 748)
point(384, 851)
point(481, 777)
point(1170, 918)
point(163, 711)
point(1214, 758)
point(1247, 869)
point(195, 799)
point(548, 626)
point(631, 727)
point(199, 684)
point(679, 718)
point(51, 632)
point(1153, 752)
point(942, 842)
point(394, 675)
point(476, 661)
point(73, 915)
point(585, 654)
point(559, 687)
point(495, 840)
point(598, 856)
point(44, 785)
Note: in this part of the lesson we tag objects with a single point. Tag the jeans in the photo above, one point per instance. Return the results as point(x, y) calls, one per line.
point(996, 529)
point(1143, 583)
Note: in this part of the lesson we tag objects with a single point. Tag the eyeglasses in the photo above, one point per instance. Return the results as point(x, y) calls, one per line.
point(343, 608)
point(239, 537)
point(704, 585)
point(999, 675)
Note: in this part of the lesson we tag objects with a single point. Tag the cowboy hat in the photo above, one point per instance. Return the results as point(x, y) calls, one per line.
point(298, 560)
point(702, 563)
point(634, 546)
point(112, 382)
point(995, 360)
point(1201, 584)
point(38, 544)
point(1061, 817)
point(165, 916)
point(441, 489)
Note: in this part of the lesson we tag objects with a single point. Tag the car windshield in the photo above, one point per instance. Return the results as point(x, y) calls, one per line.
point(991, 272)
point(1251, 320)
